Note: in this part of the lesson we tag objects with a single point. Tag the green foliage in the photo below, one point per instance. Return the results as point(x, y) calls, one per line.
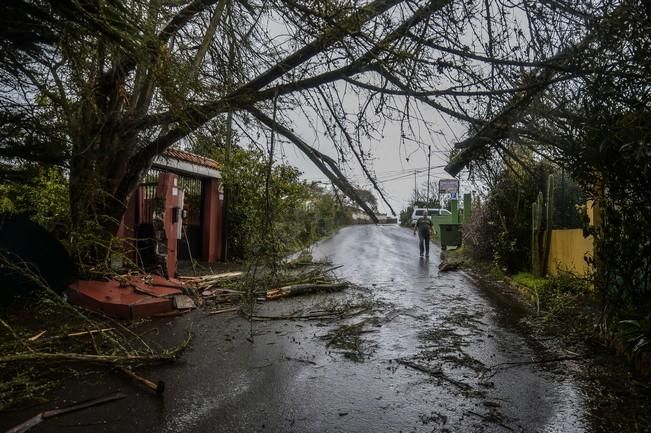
point(321, 218)
point(405, 216)
point(368, 197)
point(619, 152)
point(554, 296)
point(508, 210)
point(618, 148)
point(529, 280)
point(295, 215)
point(44, 200)
point(609, 154)
point(636, 334)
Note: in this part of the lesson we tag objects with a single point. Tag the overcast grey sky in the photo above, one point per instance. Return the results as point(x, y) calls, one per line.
point(394, 159)
point(393, 162)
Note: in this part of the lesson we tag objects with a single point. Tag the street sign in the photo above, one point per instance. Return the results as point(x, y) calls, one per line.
point(448, 186)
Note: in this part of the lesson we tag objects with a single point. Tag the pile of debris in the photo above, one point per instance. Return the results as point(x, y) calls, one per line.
point(225, 292)
point(37, 355)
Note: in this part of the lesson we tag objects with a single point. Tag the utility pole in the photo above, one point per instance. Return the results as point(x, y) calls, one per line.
point(429, 165)
point(415, 189)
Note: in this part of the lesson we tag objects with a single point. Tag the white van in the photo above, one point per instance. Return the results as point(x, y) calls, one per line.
point(420, 211)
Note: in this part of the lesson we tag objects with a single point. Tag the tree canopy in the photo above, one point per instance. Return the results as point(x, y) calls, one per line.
point(101, 87)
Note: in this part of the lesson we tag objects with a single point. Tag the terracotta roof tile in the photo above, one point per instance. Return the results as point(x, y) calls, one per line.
point(182, 155)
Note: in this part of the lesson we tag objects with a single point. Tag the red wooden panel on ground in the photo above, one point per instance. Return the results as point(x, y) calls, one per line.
point(123, 300)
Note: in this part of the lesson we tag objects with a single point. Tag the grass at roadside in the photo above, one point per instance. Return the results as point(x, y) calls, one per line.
point(564, 304)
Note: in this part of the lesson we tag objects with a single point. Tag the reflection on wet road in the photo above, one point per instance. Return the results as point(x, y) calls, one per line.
point(419, 360)
point(420, 352)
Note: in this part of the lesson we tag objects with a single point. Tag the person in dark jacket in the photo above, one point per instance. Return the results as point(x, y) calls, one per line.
point(424, 228)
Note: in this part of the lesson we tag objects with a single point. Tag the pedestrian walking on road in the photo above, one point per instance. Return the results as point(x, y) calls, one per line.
point(424, 227)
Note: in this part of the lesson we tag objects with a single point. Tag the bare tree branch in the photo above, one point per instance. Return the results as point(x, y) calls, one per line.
point(327, 165)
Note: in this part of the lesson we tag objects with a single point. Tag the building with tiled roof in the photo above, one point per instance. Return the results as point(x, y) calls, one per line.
point(184, 162)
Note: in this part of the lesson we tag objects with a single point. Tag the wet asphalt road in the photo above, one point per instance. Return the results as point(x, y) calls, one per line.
point(427, 356)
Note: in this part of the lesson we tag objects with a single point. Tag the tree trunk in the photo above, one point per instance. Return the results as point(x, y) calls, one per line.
point(98, 199)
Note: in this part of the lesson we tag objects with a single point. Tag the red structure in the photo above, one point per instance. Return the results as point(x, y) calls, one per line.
point(176, 213)
point(131, 299)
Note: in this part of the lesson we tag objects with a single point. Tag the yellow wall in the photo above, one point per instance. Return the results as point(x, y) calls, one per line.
point(567, 249)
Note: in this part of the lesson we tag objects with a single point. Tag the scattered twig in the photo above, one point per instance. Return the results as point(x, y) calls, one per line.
point(78, 334)
point(421, 368)
point(97, 359)
point(305, 361)
point(507, 365)
point(438, 373)
point(16, 337)
point(37, 336)
point(492, 418)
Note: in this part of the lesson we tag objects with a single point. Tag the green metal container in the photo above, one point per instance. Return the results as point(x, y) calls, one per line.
point(450, 235)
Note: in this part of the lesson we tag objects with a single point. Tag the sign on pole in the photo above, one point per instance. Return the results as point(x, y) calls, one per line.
point(448, 186)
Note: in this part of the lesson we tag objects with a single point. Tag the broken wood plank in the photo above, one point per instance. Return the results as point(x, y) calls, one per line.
point(183, 302)
point(157, 387)
point(208, 293)
point(303, 289)
point(37, 419)
point(225, 310)
point(213, 277)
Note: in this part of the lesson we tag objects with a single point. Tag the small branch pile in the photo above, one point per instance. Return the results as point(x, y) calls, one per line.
point(308, 280)
point(227, 291)
point(54, 340)
point(218, 290)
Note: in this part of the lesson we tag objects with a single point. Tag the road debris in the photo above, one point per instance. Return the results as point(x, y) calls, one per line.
point(205, 282)
point(183, 302)
point(157, 387)
point(303, 289)
point(447, 266)
point(77, 340)
point(37, 336)
point(347, 339)
point(39, 418)
point(225, 310)
point(435, 372)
